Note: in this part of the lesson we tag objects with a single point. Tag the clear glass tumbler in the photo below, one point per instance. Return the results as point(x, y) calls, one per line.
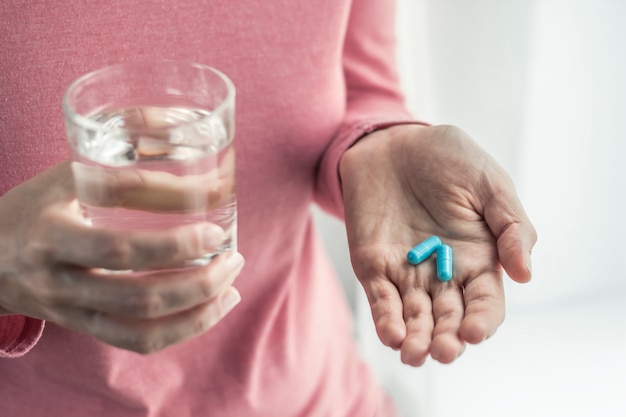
point(153, 147)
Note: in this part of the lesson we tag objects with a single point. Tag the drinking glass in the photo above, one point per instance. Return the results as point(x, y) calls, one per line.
point(153, 147)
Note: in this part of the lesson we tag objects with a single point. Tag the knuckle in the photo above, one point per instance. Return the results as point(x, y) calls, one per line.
point(209, 286)
point(212, 314)
point(201, 325)
point(32, 247)
point(146, 304)
point(38, 239)
point(169, 249)
point(155, 252)
point(369, 263)
point(114, 251)
point(205, 290)
point(44, 288)
point(186, 243)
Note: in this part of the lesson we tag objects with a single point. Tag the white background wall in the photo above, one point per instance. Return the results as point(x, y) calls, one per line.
point(541, 85)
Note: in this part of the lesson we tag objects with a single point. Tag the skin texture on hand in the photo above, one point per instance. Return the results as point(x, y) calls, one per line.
point(55, 267)
point(406, 183)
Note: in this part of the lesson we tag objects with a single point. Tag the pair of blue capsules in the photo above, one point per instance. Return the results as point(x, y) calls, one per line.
point(444, 256)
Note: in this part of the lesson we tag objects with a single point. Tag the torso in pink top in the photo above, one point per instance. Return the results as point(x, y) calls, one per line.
point(311, 77)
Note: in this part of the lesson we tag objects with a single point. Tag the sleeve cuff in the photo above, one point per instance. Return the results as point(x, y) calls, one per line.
point(18, 335)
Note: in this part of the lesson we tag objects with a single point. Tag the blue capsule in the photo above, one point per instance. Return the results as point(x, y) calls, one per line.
point(444, 263)
point(422, 251)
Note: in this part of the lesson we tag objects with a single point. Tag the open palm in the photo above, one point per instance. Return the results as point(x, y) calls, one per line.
point(406, 183)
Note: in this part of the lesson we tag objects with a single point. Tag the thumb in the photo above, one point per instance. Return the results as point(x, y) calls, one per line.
point(515, 244)
point(515, 234)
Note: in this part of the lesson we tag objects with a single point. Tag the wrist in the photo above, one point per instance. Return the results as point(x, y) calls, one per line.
point(371, 146)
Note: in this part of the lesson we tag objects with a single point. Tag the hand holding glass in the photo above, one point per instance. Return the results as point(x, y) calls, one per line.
point(152, 147)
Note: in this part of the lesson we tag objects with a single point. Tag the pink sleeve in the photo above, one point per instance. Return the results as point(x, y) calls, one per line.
point(374, 97)
point(18, 335)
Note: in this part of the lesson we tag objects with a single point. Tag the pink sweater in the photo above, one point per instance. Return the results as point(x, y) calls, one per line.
point(311, 77)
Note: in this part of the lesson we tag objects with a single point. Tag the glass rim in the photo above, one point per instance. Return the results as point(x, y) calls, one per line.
point(90, 124)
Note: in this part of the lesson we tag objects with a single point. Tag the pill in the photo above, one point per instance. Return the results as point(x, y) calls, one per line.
point(444, 263)
point(423, 250)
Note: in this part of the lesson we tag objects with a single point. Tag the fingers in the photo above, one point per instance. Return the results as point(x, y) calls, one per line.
point(386, 306)
point(157, 295)
point(514, 232)
point(484, 307)
point(155, 191)
point(418, 317)
point(441, 317)
point(72, 242)
point(448, 313)
point(433, 312)
point(57, 268)
point(152, 335)
point(142, 313)
point(423, 316)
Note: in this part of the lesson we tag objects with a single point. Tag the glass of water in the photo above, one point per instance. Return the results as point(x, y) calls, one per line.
point(152, 147)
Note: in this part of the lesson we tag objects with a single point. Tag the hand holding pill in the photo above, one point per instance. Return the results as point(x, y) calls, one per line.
point(432, 221)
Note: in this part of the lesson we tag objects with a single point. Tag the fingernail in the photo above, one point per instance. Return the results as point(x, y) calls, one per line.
point(229, 300)
point(234, 261)
point(212, 237)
